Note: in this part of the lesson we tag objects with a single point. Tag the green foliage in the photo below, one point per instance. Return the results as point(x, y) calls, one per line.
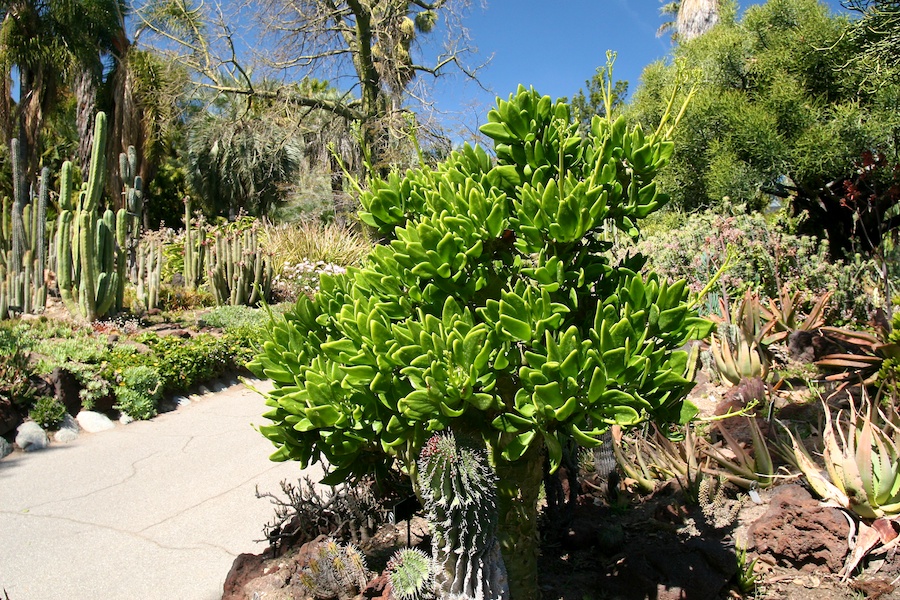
point(779, 109)
point(493, 309)
point(139, 392)
point(48, 412)
point(182, 363)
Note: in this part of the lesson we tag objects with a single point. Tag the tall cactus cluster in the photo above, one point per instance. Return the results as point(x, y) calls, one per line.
point(23, 286)
point(194, 248)
point(91, 255)
point(238, 272)
point(458, 487)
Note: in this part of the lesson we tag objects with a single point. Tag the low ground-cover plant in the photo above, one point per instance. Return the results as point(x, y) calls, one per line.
point(139, 391)
point(493, 309)
point(48, 412)
point(135, 362)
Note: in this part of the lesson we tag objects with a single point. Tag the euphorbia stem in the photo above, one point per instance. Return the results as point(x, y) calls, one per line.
point(518, 488)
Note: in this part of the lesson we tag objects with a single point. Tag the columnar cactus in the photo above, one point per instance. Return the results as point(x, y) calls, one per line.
point(238, 272)
point(460, 493)
point(194, 248)
point(149, 273)
point(23, 287)
point(89, 260)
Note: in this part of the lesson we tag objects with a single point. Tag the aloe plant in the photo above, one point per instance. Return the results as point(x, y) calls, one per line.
point(493, 309)
point(862, 462)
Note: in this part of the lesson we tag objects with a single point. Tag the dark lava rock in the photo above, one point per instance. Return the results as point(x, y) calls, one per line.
point(796, 531)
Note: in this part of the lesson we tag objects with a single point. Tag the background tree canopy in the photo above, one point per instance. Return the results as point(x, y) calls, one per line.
point(784, 107)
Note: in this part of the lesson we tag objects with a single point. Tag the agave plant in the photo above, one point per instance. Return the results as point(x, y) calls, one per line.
point(862, 463)
point(783, 317)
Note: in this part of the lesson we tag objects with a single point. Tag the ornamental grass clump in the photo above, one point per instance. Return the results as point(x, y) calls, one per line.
point(494, 309)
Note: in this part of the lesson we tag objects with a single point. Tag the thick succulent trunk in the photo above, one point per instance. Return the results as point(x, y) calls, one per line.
point(517, 496)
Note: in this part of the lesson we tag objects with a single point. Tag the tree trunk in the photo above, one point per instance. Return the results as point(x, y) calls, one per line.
point(86, 107)
point(517, 495)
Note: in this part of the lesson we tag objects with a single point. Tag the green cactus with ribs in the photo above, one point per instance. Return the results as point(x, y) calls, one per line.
point(23, 238)
point(91, 256)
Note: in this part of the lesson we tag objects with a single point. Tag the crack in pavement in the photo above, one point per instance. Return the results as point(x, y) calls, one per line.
point(136, 534)
point(134, 470)
point(211, 498)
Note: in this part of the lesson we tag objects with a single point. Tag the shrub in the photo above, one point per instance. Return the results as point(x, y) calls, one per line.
point(48, 412)
point(182, 363)
point(15, 369)
point(314, 242)
point(495, 311)
point(767, 257)
point(139, 392)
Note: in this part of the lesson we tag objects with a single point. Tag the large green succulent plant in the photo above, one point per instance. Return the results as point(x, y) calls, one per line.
point(492, 308)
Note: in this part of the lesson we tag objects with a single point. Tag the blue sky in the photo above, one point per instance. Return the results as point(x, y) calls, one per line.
point(555, 47)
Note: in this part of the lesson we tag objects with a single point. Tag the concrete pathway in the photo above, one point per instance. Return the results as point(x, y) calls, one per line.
point(151, 510)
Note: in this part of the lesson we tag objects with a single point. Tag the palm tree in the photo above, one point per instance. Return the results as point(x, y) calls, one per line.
point(241, 160)
point(51, 44)
point(689, 18)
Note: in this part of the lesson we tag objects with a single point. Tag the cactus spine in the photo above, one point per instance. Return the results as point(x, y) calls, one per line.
point(411, 573)
point(88, 257)
point(458, 487)
point(336, 571)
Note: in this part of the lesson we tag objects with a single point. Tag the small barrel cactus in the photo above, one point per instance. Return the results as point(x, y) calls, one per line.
point(459, 490)
point(411, 573)
point(336, 571)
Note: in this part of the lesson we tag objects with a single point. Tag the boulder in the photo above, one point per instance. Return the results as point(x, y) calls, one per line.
point(5, 448)
point(68, 430)
point(66, 388)
point(9, 416)
point(94, 422)
point(798, 532)
point(31, 437)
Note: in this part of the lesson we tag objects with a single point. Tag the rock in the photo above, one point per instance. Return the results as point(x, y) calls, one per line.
point(181, 400)
point(31, 437)
point(667, 569)
point(9, 416)
point(378, 588)
point(202, 390)
point(94, 422)
point(798, 532)
point(5, 448)
point(125, 419)
point(244, 568)
point(68, 430)
point(65, 389)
